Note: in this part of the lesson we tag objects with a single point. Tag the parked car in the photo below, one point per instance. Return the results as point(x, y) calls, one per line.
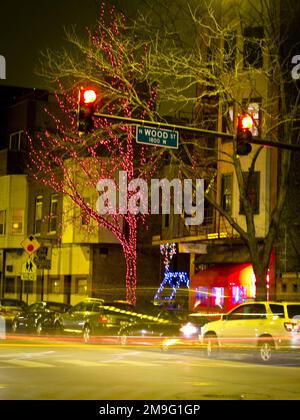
point(153, 328)
point(10, 308)
point(94, 316)
point(39, 317)
point(263, 326)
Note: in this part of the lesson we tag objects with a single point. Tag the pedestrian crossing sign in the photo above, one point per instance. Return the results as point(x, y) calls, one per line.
point(28, 270)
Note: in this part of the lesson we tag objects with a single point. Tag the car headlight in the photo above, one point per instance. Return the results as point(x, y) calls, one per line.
point(189, 329)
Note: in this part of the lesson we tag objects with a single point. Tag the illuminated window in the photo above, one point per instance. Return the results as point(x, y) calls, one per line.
point(38, 214)
point(201, 295)
point(217, 296)
point(54, 286)
point(81, 286)
point(2, 221)
point(17, 221)
point(53, 219)
point(238, 294)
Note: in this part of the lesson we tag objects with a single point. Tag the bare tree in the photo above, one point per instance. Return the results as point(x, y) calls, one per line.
point(112, 62)
point(236, 56)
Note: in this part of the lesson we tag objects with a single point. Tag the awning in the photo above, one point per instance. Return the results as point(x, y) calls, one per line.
point(222, 275)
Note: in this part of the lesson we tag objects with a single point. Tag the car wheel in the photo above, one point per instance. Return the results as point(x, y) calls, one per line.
point(14, 326)
point(86, 333)
point(211, 344)
point(58, 328)
point(265, 351)
point(39, 328)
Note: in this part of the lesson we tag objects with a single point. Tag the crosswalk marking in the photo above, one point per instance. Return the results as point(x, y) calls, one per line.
point(26, 363)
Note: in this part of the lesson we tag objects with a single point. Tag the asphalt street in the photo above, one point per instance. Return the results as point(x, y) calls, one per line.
point(77, 371)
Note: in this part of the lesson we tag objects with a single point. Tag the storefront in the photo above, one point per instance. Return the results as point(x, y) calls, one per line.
point(221, 287)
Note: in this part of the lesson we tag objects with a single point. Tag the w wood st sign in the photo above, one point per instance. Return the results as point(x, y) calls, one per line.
point(157, 137)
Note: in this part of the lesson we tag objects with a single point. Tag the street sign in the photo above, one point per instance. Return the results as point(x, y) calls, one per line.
point(157, 137)
point(28, 271)
point(41, 260)
point(30, 244)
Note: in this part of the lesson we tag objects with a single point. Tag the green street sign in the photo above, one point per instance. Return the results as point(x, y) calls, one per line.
point(157, 137)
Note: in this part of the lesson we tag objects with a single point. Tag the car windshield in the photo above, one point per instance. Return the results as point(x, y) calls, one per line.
point(293, 311)
point(57, 307)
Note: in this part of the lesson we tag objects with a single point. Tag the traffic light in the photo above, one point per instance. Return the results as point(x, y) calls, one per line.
point(244, 135)
point(86, 107)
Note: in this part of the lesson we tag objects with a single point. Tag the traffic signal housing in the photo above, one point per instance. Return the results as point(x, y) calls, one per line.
point(87, 99)
point(244, 135)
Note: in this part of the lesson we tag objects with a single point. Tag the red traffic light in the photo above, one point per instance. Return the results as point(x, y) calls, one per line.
point(246, 122)
point(89, 96)
point(87, 100)
point(244, 135)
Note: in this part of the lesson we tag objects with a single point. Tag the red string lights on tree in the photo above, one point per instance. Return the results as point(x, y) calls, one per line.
point(72, 164)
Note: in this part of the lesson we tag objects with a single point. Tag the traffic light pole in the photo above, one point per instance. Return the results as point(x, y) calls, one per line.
point(166, 125)
point(210, 133)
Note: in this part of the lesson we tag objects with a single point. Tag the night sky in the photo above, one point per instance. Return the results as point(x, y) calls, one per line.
point(30, 26)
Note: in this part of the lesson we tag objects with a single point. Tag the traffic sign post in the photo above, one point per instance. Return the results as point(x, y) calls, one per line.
point(157, 137)
point(30, 244)
point(28, 270)
point(41, 259)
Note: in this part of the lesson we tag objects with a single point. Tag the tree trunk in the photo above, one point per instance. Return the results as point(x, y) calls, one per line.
point(131, 274)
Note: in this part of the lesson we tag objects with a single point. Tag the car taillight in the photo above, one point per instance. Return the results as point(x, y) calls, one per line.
point(103, 319)
point(292, 326)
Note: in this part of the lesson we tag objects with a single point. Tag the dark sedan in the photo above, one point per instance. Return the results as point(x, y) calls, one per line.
point(153, 328)
point(39, 317)
point(94, 316)
point(10, 308)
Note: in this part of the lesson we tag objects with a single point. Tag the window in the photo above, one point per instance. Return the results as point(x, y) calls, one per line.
point(253, 55)
point(54, 286)
point(238, 294)
point(53, 219)
point(81, 286)
point(253, 109)
point(252, 191)
point(256, 311)
point(9, 285)
point(17, 221)
point(166, 220)
point(230, 50)
point(226, 192)
point(277, 309)
point(2, 221)
point(202, 295)
point(38, 214)
point(217, 296)
point(16, 140)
